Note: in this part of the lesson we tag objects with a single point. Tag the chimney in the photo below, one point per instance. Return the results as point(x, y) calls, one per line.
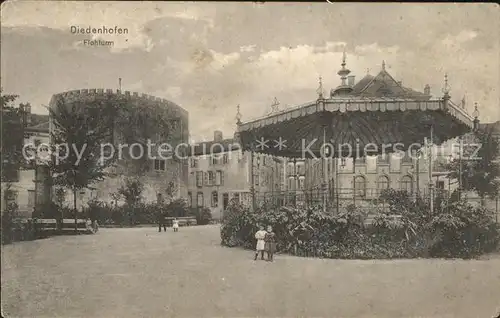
point(218, 136)
point(26, 113)
point(427, 89)
point(350, 80)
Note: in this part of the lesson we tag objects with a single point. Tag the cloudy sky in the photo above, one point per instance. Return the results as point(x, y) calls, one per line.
point(210, 57)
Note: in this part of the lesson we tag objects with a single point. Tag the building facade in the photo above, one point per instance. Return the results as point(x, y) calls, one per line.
point(30, 186)
point(219, 171)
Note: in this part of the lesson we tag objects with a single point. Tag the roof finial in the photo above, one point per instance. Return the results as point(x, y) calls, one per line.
point(274, 106)
point(320, 88)
point(238, 115)
point(476, 117)
point(343, 71)
point(476, 111)
point(383, 65)
point(464, 101)
point(446, 88)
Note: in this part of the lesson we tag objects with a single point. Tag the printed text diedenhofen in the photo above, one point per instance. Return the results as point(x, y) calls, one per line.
point(101, 30)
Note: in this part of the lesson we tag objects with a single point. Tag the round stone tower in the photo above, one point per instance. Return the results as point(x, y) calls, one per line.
point(142, 120)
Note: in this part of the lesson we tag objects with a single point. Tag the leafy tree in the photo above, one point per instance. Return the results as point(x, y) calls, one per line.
point(13, 124)
point(479, 171)
point(171, 190)
point(132, 193)
point(60, 196)
point(177, 208)
point(116, 197)
point(79, 129)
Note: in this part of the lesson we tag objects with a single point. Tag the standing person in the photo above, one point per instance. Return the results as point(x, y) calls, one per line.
point(261, 244)
point(270, 239)
point(175, 225)
point(161, 222)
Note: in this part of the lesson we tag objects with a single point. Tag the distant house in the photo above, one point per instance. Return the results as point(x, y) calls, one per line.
point(219, 171)
point(30, 186)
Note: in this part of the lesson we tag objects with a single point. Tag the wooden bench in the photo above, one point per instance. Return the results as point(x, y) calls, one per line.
point(183, 221)
point(45, 227)
point(83, 226)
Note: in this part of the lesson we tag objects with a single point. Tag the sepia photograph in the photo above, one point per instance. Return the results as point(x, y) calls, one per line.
point(250, 159)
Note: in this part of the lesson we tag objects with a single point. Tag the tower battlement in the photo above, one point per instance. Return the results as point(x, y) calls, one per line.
point(132, 96)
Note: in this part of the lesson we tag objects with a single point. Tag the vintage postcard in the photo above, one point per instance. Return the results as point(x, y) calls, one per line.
point(250, 159)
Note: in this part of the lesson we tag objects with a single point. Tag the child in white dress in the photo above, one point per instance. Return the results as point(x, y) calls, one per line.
point(261, 244)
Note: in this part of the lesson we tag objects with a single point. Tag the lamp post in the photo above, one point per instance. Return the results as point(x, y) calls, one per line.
point(252, 178)
point(431, 185)
point(295, 179)
point(337, 181)
point(475, 114)
point(460, 144)
point(450, 158)
point(74, 201)
point(257, 190)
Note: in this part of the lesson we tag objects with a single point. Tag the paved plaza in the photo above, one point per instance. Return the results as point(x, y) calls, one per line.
point(142, 273)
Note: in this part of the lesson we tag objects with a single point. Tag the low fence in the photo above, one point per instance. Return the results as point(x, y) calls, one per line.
point(26, 229)
point(366, 198)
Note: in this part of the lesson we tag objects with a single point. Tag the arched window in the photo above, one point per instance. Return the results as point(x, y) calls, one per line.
point(199, 198)
point(215, 199)
point(406, 184)
point(359, 186)
point(382, 184)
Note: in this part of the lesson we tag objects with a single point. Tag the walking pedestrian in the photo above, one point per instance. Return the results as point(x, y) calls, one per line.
point(261, 244)
point(161, 222)
point(270, 246)
point(175, 225)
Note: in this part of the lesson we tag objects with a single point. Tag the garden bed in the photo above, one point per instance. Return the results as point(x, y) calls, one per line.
point(457, 230)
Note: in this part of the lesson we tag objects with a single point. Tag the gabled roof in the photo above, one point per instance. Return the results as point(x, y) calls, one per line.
point(360, 86)
point(43, 127)
point(384, 85)
point(411, 93)
point(214, 147)
point(39, 123)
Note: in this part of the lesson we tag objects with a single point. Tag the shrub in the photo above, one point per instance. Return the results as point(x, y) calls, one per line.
point(137, 213)
point(12, 229)
point(203, 215)
point(177, 208)
point(465, 231)
point(8, 222)
point(49, 210)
